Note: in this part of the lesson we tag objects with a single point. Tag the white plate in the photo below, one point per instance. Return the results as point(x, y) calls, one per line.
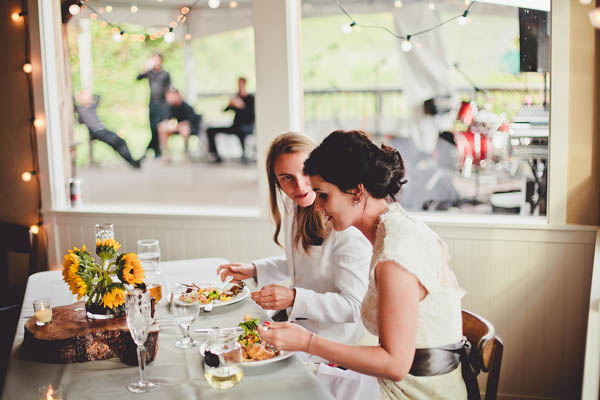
point(245, 292)
point(282, 356)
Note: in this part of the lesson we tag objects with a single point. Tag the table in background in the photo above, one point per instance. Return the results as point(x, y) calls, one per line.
point(178, 371)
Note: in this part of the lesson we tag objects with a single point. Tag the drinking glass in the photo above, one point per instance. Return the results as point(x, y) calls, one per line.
point(149, 253)
point(105, 231)
point(185, 306)
point(223, 358)
point(137, 309)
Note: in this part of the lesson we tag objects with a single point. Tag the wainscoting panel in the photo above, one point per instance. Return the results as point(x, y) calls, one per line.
point(532, 283)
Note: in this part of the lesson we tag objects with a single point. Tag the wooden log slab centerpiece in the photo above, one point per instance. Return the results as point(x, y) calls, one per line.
point(72, 337)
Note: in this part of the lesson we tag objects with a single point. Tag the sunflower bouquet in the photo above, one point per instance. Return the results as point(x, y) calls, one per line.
point(103, 283)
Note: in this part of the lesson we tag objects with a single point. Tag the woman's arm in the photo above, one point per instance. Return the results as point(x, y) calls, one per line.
point(349, 260)
point(399, 294)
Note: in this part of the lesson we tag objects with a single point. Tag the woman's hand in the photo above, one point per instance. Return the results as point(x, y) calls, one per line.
point(285, 336)
point(274, 297)
point(239, 271)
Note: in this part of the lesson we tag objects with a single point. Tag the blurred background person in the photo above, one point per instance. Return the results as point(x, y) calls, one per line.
point(86, 105)
point(243, 122)
point(159, 81)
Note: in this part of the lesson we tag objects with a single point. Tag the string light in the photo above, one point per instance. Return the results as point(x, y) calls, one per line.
point(397, 4)
point(108, 8)
point(173, 24)
point(101, 11)
point(595, 17)
point(184, 10)
point(585, 2)
point(214, 3)
point(406, 39)
point(27, 68)
point(35, 228)
point(26, 176)
point(74, 9)
point(169, 36)
point(181, 18)
point(133, 8)
point(103, 24)
point(188, 36)
point(16, 17)
point(39, 122)
point(431, 6)
point(233, 4)
point(346, 28)
point(93, 16)
point(461, 20)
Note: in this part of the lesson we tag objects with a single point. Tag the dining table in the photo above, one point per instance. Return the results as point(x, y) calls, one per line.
point(178, 371)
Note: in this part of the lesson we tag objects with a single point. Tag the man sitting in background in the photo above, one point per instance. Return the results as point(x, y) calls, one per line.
point(85, 106)
point(187, 121)
point(243, 122)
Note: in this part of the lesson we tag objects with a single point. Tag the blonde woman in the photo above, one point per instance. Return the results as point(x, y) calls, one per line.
point(328, 269)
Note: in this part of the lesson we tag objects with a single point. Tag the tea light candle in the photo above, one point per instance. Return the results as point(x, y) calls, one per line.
point(50, 393)
point(42, 312)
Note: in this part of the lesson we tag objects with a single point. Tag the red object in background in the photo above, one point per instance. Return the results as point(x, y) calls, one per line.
point(471, 144)
point(465, 113)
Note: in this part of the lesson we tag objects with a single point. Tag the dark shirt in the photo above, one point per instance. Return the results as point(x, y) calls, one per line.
point(244, 116)
point(185, 112)
point(159, 83)
point(88, 115)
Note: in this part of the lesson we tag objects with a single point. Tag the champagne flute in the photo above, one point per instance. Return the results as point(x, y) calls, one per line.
point(185, 306)
point(149, 255)
point(137, 309)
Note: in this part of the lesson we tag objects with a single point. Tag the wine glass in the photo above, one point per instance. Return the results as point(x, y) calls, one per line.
point(185, 306)
point(137, 309)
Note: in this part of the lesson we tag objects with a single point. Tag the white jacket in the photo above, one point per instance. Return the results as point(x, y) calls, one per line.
point(330, 281)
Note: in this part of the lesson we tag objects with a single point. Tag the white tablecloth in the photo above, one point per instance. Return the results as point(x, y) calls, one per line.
point(178, 371)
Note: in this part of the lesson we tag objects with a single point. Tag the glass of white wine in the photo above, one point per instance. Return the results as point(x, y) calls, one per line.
point(223, 358)
point(185, 306)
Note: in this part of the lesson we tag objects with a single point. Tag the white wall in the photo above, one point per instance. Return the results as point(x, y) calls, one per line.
point(531, 282)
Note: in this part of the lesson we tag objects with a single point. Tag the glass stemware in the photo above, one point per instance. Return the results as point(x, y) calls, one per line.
point(149, 255)
point(137, 309)
point(185, 306)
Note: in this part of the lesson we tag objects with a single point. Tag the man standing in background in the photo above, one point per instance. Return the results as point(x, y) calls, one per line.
point(159, 81)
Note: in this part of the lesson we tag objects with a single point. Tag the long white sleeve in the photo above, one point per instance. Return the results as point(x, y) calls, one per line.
point(350, 256)
point(271, 270)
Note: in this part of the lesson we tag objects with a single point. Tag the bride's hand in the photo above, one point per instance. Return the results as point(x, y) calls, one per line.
point(285, 336)
point(239, 271)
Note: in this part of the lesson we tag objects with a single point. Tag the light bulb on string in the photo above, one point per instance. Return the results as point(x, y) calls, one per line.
point(184, 10)
point(585, 2)
point(595, 17)
point(26, 176)
point(406, 45)
point(39, 122)
point(93, 16)
point(101, 10)
point(133, 8)
point(117, 37)
point(16, 17)
point(35, 228)
point(397, 4)
point(233, 4)
point(169, 36)
point(188, 36)
point(461, 20)
point(214, 3)
point(346, 28)
point(74, 9)
point(431, 6)
point(108, 8)
point(181, 18)
point(27, 68)
point(103, 24)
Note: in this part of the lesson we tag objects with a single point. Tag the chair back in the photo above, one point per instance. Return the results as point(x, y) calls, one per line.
point(486, 349)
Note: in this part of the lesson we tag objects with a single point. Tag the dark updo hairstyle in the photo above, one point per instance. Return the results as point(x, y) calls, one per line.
point(349, 158)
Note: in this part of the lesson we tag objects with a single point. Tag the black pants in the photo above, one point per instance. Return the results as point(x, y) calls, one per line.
point(241, 131)
point(114, 141)
point(158, 113)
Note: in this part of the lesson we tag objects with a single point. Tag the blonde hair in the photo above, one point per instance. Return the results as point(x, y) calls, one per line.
point(311, 224)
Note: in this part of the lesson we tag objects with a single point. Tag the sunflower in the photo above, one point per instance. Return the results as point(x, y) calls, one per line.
point(107, 248)
point(114, 297)
point(130, 269)
point(70, 271)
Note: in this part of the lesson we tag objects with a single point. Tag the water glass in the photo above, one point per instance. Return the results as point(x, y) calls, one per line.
point(105, 231)
point(185, 306)
point(137, 309)
point(149, 253)
point(223, 358)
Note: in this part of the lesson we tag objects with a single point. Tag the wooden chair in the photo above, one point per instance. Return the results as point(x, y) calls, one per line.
point(15, 239)
point(486, 349)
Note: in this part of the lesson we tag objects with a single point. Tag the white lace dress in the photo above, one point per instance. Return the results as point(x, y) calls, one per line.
point(414, 246)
